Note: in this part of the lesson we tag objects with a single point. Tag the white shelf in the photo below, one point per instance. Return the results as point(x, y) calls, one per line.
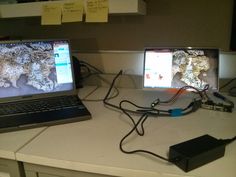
point(34, 8)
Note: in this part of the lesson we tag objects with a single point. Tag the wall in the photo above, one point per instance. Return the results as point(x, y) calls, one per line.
point(204, 23)
point(227, 65)
point(131, 62)
point(167, 23)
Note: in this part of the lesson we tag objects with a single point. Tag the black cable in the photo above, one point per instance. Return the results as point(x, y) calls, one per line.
point(153, 111)
point(105, 100)
point(227, 141)
point(88, 71)
point(141, 121)
point(101, 99)
point(227, 83)
point(232, 90)
point(178, 93)
point(147, 111)
point(112, 84)
point(92, 70)
point(91, 66)
point(144, 111)
point(218, 95)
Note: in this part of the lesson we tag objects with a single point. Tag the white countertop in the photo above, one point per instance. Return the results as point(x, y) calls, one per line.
point(11, 142)
point(4, 174)
point(93, 145)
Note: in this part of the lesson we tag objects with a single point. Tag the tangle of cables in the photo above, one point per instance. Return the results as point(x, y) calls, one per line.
point(151, 110)
point(88, 70)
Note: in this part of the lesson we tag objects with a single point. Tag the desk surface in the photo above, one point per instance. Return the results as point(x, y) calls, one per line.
point(11, 142)
point(93, 145)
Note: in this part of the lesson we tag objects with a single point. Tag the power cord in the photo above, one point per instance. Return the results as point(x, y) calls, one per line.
point(228, 83)
point(227, 141)
point(177, 152)
point(141, 121)
point(114, 95)
point(201, 93)
point(145, 112)
point(192, 107)
point(232, 90)
point(88, 70)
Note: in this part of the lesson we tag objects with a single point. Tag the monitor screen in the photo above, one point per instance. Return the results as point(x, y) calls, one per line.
point(178, 67)
point(34, 67)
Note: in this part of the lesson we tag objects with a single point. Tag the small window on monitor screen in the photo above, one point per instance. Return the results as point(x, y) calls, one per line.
point(178, 67)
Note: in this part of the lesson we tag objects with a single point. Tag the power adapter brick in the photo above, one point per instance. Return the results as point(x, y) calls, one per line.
point(196, 152)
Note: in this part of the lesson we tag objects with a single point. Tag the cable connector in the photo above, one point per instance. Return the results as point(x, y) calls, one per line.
point(176, 112)
point(218, 95)
point(155, 102)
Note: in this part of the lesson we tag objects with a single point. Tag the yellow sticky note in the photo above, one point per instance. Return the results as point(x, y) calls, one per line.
point(51, 14)
point(72, 11)
point(97, 11)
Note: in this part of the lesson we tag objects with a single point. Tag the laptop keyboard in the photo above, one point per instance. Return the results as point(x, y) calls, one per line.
point(40, 105)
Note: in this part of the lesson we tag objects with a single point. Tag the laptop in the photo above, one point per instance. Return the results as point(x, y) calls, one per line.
point(178, 67)
point(37, 85)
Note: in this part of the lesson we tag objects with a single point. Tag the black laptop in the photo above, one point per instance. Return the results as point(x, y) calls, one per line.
point(37, 85)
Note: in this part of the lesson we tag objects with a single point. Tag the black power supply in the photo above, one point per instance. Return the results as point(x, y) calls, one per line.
point(196, 152)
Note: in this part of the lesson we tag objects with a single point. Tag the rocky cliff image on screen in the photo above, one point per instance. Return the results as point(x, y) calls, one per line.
point(195, 68)
point(28, 64)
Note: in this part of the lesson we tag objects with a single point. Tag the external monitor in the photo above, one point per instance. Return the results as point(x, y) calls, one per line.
point(178, 67)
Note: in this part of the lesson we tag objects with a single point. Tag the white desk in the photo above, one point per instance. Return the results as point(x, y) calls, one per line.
point(93, 146)
point(4, 174)
point(10, 143)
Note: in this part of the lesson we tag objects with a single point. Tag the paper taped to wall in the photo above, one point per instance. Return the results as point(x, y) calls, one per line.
point(97, 11)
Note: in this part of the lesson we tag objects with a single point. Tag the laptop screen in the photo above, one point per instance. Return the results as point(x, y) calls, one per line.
point(178, 67)
point(35, 67)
